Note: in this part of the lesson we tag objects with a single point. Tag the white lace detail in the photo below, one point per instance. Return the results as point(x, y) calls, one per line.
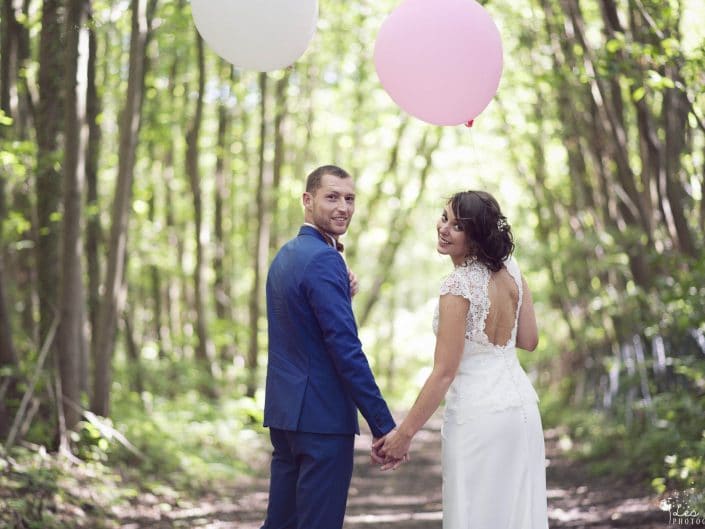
point(489, 377)
point(470, 281)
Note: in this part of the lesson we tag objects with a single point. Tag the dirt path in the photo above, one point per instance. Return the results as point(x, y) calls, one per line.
point(410, 498)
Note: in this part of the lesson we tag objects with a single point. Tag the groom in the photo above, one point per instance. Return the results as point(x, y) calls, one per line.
point(317, 375)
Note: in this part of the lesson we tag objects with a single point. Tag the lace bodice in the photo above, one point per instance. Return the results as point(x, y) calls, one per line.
point(489, 376)
point(471, 281)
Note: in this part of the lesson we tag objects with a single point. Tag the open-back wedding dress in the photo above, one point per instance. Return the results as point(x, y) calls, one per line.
point(494, 474)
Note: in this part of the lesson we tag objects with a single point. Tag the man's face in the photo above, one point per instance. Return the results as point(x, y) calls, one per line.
point(330, 207)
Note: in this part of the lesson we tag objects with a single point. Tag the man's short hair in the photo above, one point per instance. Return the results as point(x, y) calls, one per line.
point(313, 182)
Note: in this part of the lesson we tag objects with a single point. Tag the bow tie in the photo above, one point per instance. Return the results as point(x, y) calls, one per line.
point(337, 245)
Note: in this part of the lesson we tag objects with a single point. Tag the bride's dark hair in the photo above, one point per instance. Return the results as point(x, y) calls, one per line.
point(487, 232)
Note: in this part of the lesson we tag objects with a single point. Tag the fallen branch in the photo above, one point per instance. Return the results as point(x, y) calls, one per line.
point(105, 429)
point(30, 388)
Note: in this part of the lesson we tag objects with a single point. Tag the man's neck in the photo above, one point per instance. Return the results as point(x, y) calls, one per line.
point(333, 239)
point(324, 233)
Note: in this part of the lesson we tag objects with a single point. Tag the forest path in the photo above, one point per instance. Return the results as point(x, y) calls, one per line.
point(410, 497)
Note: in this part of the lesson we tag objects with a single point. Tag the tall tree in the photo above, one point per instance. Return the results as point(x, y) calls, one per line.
point(130, 123)
point(93, 227)
point(204, 348)
point(261, 252)
point(14, 50)
point(280, 115)
point(8, 356)
point(222, 284)
point(48, 123)
point(8, 55)
point(70, 338)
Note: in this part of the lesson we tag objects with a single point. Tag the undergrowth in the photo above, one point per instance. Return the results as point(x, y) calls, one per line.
point(170, 449)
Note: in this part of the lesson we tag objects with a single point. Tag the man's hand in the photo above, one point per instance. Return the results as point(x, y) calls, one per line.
point(394, 448)
point(386, 462)
point(354, 285)
point(375, 457)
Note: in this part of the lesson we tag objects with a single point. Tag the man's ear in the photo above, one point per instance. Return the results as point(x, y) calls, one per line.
point(306, 200)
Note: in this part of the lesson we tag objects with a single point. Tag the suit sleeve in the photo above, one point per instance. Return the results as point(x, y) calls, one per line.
point(328, 292)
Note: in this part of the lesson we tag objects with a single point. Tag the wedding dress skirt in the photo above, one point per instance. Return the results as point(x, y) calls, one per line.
point(494, 473)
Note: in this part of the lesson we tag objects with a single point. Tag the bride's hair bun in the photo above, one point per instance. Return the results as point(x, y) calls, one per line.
point(488, 234)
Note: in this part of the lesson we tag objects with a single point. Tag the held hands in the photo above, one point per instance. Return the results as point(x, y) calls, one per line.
point(391, 450)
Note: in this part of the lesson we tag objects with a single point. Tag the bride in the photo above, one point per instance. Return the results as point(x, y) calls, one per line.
point(493, 448)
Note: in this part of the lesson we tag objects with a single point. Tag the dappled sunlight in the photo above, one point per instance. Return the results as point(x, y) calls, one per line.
point(408, 498)
point(394, 518)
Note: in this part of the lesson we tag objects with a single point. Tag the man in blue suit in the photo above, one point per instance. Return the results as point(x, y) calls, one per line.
point(317, 376)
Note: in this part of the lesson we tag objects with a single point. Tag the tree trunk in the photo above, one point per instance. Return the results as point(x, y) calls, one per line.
point(133, 353)
point(175, 242)
point(222, 284)
point(69, 338)
point(280, 102)
point(264, 184)
point(93, 227)
point(675, 112)
point(130, 122)
point(14, 51)
point(8, 357)
point(155, 280)
point(8, 57)
point(171, 294)
point(204, 352)
point(303, 155)
point(48, 123)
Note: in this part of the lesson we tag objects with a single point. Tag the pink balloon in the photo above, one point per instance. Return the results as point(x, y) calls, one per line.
point(440, 60)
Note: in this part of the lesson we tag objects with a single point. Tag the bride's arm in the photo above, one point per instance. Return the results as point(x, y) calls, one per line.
point(450, 342)
point(527, 332)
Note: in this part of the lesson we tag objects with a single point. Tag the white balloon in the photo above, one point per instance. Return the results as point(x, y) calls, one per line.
point(261, 35)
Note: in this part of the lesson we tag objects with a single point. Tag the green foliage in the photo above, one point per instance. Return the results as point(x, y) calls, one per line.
point(186, 440)
point(27, 490)
point(184, 445)
point(48, 491)
point(5, 120)
point(90, 444)
point(662, 445)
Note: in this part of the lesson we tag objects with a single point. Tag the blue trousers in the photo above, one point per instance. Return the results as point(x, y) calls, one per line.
point(309, 481)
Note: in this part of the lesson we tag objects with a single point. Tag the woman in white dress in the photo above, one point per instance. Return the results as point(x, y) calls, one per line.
point(493, 448)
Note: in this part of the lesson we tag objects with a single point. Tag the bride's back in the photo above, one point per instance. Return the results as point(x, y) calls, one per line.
point(503, 295)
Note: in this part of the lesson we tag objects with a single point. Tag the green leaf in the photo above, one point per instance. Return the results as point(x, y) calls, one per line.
point(614, 45)
point(638, 94)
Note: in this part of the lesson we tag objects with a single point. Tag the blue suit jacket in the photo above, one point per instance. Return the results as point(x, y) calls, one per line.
point(317, 373)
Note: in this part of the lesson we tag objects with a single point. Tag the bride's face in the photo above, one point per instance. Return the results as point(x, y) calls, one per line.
point(451, 237)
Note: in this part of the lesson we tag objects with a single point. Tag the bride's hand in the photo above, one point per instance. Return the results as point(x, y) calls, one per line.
point(354, 283)
point(393, 464)
point(394, 447)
